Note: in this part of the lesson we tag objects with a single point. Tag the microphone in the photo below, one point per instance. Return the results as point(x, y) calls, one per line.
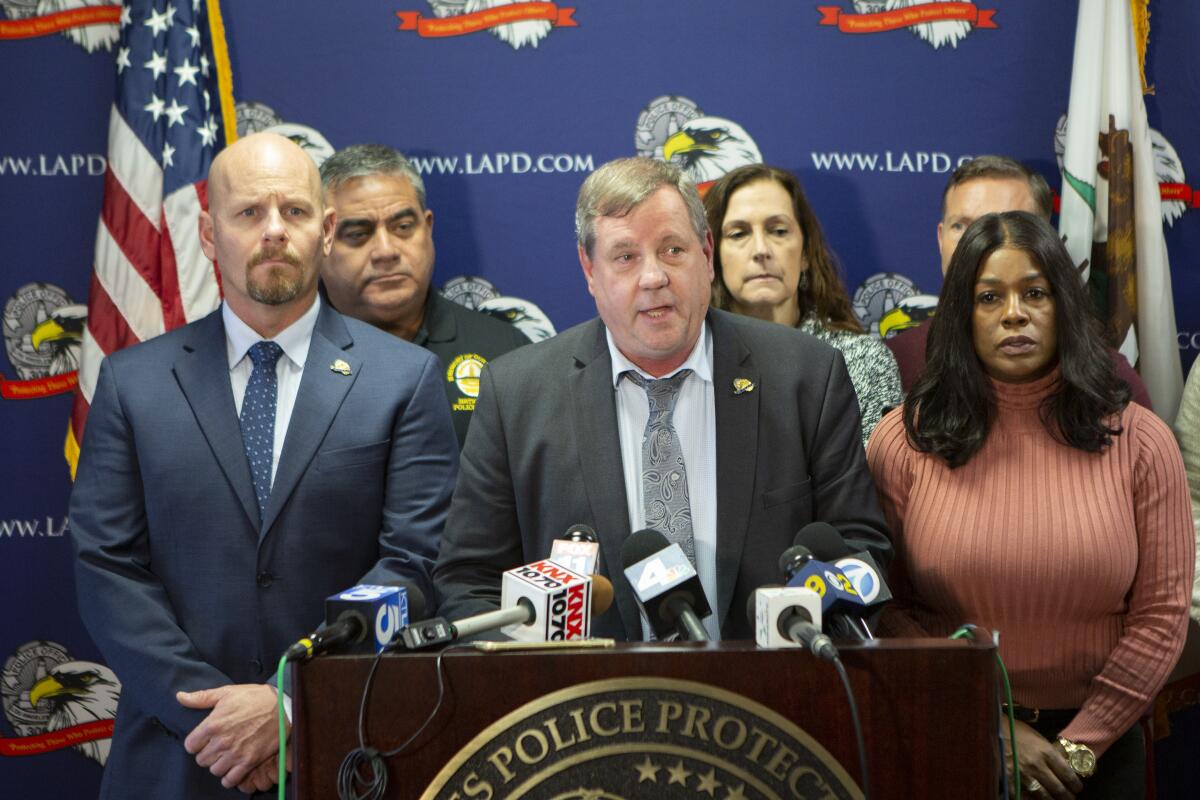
point(864, 572)
point(578, 550)
point(839, 598)
point(362, 619)
point(666, 586)
point(537, 604)
point(860, 568)
point(789, 617)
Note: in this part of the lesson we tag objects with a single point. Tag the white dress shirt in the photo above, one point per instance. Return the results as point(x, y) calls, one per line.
point(694, 420)
point(294, 340)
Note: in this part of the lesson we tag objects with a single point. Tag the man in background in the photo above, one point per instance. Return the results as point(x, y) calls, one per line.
point(380, 270)
point(986, 185)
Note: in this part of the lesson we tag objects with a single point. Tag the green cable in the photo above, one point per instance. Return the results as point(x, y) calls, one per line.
point(282, 728)
point(1012, 723)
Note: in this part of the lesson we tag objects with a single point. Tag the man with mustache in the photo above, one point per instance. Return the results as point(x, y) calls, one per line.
point(380, 270)
point(237, 471)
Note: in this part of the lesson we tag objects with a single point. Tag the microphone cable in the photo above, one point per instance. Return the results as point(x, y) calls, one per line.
point(352, 782)
point(969, 631)
point(858, 731)
point(282, 778)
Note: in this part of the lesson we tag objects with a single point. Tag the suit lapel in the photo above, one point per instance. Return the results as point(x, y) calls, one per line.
point(594, 408)
point(737, 452)
point(202, 371)
point(318, 399)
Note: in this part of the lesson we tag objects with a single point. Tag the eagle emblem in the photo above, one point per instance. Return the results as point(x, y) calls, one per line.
point(708, 147)
point(90, 37)
point(515, 34)
point(526, 316)
point(43, 331)
point(44, 691)
point(935, 34)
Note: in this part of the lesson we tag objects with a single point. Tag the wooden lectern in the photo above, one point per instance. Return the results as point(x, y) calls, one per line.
point(658, 720)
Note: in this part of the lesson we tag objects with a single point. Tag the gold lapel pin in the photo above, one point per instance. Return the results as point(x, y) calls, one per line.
point(742, 385)
point(340, 367)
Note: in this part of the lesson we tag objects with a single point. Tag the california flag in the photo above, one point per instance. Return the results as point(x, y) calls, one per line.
point(1111, 217)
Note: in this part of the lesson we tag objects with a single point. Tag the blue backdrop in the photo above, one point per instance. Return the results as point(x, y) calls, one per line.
point(505, 123)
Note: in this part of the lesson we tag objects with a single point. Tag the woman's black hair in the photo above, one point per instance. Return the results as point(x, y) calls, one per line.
point(950, 409)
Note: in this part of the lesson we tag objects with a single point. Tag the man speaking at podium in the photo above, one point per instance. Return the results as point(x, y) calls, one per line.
point(725, 433)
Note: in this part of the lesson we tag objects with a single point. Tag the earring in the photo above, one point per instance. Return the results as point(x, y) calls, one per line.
point(803, 285)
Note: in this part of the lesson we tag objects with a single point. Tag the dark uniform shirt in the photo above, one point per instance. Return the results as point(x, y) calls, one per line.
point(464, 340)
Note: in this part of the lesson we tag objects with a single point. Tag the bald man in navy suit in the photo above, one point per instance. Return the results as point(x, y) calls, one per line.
point(219, 500)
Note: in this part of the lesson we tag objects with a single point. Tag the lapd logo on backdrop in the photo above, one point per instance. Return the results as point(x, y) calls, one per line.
point(1177, 195)
point(887, 303)
point(480, 294)
point(514, 22)
point(673, 128)
point(936, 22)
point(43, 328)
point(52, 701)
point(91, 24)
point(255, 117)
point(524, 314)
point(640, 738)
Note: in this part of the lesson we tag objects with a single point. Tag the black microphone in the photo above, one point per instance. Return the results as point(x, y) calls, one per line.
point(871, 589)
point(840, 603)
point(666, 586)
point(362, 619)
point(579, 532)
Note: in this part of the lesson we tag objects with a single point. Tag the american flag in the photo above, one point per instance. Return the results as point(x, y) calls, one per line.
point(171, 115)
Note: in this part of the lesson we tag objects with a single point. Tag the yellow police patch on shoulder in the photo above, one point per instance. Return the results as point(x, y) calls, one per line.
point(464, 372)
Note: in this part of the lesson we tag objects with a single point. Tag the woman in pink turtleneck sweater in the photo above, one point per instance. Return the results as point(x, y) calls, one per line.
point(1028, 496)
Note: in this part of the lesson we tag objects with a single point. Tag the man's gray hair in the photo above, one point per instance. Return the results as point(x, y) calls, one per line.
point(362, 160)
point(617, 187)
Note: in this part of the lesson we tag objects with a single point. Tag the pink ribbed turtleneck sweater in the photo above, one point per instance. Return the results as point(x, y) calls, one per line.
point(1083, 562)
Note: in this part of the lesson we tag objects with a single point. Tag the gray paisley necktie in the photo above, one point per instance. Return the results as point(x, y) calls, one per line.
point(664, 476)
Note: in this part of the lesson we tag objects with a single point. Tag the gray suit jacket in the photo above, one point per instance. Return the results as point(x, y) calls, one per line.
point(543, 454)
point(179, 584)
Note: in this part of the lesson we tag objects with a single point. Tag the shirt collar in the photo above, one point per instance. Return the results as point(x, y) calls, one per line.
point(699, 361)
point(294, 339)
point(438, 323)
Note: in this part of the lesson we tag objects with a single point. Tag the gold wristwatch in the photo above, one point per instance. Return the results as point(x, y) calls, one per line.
point(1079, 756)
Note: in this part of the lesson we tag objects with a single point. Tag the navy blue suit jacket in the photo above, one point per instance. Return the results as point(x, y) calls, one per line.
point(179, 584)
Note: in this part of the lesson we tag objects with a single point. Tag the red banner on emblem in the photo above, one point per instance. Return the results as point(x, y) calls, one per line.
point(39, 387)
point(906, 17)
point(56, 740)
point(1181, 192)
point(59, 21)
point(476, 21)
